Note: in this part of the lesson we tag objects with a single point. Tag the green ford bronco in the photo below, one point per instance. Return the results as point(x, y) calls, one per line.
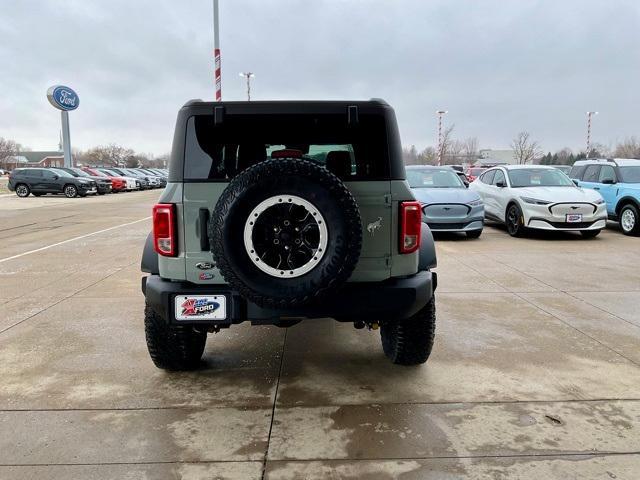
point(278, 212)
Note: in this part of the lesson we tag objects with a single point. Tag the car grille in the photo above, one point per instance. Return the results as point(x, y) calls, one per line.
point(446, 210)
point(446, 226)
point(570, 225)
point(571, 208)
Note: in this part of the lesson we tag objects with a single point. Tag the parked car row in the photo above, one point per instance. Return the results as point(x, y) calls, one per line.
point(528, 197)
point(80, 182)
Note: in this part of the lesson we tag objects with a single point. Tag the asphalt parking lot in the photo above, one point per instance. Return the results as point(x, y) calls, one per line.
point(535, 372)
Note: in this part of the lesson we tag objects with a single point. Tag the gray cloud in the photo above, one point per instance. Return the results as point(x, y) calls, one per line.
point(498, 67)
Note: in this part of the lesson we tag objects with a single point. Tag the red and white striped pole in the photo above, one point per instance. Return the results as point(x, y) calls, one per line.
point(589, 114)
point(440, 114)
point(216, 52)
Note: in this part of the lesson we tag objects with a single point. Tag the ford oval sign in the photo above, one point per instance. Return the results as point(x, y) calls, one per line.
point(63, 98)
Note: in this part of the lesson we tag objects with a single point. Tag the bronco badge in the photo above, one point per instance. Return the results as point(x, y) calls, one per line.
point(373, 226)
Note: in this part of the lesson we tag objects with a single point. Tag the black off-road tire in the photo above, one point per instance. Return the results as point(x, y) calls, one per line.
point(590, 233)
point(303, 179)
point(409, 342)
point(474, 233)
point(172, 347)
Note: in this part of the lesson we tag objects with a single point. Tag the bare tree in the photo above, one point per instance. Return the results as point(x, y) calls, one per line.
point(8, 148)
point(428, 156)
point(525, 150)
point(564, 156)
point(447, 143)
point(600, 150)
point(628, 148)
point(470, 149)
point(112, 154)
point(455, 151)
point(410, 155)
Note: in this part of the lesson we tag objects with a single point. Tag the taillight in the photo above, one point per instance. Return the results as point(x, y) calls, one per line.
point(164, 229)
point(410, 225)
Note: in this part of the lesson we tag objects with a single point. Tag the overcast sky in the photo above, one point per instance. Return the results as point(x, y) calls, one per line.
point(498, 66)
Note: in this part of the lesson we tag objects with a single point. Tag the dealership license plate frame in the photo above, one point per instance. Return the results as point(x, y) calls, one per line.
point(218, 314)
point(573, 218)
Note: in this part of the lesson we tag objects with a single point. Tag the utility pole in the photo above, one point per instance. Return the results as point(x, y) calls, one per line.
point(216, 52)
point(589, 115)
point(440, 113)
point(248, 76)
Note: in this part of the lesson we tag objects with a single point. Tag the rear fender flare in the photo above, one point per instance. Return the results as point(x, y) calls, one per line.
point(149, 262)
point(427, 255)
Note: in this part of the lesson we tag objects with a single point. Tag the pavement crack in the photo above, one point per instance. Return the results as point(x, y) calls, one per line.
point(273, 410)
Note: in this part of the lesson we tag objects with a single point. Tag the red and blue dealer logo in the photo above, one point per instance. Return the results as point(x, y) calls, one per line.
point(195, 307)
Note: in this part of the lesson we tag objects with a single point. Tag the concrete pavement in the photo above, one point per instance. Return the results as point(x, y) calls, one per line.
point(535, 372)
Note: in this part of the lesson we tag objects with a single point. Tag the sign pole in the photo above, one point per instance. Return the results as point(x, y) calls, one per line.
point(64, 99)
point(66, 139)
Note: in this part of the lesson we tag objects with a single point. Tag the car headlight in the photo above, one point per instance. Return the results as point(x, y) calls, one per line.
point(599, 201)
point(534, 201)
point(475, 203)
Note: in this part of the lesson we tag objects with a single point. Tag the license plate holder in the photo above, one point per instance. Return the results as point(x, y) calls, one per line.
point(197, 308)
point(574, 217)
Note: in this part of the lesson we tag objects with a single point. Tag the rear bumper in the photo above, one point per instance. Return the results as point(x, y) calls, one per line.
point(393, 299)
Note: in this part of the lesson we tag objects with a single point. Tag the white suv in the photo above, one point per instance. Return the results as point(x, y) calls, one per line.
point(539, 197)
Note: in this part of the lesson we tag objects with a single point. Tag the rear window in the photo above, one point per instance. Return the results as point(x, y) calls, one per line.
point(577, 171)
point(218, 152)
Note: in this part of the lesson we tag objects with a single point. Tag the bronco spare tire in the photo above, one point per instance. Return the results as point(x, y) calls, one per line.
point(285, 232)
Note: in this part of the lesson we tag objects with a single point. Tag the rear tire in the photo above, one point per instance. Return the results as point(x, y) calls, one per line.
point(473, 233)
point(22, 190)
point(172, 347)
point(630, 220)
point(409, 342)
point(514, 221)
point(590, 233)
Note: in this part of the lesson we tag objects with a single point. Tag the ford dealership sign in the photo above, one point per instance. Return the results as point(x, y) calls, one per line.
point(63, 98)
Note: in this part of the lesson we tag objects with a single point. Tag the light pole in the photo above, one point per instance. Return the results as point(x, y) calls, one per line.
point(440, 113)
point(216, 52)
point(248, 76)
point(589, 115)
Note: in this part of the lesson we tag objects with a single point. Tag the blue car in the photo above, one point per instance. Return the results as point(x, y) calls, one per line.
point(618, 181)
point(447, 204)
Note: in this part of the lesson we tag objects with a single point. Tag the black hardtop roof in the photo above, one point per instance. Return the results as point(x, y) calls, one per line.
point(286, 106)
